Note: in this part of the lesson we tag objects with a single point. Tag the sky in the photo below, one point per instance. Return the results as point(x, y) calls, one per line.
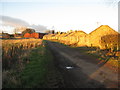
point(61, 15)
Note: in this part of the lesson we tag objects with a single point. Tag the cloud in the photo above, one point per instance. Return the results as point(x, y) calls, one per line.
point(39, 28)
point(14, 22)
point(19, 24)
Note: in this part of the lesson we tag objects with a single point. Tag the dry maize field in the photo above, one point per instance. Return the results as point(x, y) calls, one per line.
point(14, 50)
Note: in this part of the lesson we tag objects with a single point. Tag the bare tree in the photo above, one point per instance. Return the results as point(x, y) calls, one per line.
point(28, 30)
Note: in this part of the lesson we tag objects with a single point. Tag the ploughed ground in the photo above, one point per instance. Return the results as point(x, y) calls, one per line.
point(80, 70)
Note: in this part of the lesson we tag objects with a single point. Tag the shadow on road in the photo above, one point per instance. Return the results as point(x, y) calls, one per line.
point(75, 76)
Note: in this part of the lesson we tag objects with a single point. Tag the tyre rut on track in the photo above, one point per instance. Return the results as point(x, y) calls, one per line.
point(83, 72)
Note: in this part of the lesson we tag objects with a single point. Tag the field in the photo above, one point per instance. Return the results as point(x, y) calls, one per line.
point(25, 63)
point(14, 50)
point(37, 63)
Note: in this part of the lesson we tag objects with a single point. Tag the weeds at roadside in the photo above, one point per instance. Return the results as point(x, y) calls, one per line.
point(33, 70)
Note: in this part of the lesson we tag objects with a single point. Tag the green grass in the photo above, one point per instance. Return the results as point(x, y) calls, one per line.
point(34, 74)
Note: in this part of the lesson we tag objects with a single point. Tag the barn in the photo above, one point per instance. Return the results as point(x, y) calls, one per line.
point(76, 37)
point(48, 36)
point(41, 35)
point(27, 35)
point(101, 36)
point(34, 35)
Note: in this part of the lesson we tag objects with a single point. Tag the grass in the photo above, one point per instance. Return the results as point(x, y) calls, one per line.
point(94, 52)
point(35, 72)
point(15, 52)
point(36, 66)
point(101, 55)
point(31, 69)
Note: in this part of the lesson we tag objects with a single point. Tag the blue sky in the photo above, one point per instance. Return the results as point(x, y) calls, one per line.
point(62, 14)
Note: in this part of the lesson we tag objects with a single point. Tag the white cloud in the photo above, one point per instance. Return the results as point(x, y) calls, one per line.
point(8, 24)
point(14, 22)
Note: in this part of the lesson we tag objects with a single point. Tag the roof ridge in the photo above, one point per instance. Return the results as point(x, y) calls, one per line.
point(101, 27)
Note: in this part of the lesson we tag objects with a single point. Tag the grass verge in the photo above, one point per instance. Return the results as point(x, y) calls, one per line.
point(37, 73)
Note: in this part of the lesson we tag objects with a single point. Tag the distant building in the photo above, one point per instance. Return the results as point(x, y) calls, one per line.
point(41, 35)
point(4, 36)
point(17, 35)
point(101, 36)
point(34, 35)
point(27, 35)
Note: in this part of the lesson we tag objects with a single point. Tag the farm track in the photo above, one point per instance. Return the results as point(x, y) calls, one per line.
point(84, 72)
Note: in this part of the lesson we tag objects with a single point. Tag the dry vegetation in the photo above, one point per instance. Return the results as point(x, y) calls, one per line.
point(13, 50)
point(15, 55)
point(27, 63)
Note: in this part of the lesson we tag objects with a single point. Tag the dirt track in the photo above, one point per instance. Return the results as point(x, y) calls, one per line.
point(85, 71)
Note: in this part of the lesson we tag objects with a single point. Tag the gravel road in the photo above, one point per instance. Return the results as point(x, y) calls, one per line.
point(81, 71)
